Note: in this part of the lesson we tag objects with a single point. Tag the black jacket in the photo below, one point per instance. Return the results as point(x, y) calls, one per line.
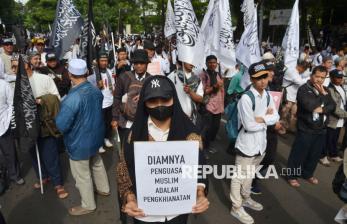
point(308, 99)
point(60, 77)
point(123, 69)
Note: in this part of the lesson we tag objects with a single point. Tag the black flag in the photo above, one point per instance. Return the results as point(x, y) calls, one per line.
point(67, 27)
point(25, 121)
point(88, 40)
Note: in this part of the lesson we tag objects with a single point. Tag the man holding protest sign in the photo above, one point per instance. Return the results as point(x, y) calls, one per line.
point(159, 117)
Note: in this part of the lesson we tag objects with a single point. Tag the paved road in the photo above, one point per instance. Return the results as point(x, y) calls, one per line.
point(282, 204)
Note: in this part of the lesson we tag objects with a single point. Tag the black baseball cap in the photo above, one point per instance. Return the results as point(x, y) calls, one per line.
point(103, 54)
point(336, 73)
point(158, 87)
point(257, 70)
point(51, 56)
point(7, 41)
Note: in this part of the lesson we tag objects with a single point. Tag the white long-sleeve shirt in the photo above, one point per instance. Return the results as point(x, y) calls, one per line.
point(292, 80)
point(251, 140)
point(6, 106)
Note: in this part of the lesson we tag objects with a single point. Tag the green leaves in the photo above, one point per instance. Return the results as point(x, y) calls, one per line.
point(40, 13)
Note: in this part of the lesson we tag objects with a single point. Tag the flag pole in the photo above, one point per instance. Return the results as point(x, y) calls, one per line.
point(170, 51)
point(39, 165)
point(184, 73)
point(114, 52)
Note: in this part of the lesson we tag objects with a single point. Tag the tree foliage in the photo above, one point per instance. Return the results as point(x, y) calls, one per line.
point(113, 13)
point(10, 12)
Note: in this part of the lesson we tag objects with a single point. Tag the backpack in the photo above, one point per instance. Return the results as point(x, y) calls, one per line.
point(134, 89)
point(232, 125)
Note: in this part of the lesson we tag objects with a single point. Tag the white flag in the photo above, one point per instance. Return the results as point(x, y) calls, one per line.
point(169, 28)
point(248, 51)
point(218, 34)
point(189, 38)
point(290, 42)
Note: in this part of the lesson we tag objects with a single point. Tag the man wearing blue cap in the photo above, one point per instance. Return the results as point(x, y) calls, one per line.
point(81, 122)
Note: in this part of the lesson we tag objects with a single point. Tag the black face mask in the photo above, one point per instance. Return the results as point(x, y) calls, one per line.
point(160, 113)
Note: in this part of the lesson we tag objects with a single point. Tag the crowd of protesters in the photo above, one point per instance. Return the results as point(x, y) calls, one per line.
point(188, 104)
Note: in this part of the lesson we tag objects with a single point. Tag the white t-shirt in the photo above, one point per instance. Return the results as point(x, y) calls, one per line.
point(292, 80)
point(106, 91)
point(339, 89)
point(43, 59)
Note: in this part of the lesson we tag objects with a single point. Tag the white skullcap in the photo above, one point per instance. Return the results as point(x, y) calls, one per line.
point(77, 67)
point(268, 56)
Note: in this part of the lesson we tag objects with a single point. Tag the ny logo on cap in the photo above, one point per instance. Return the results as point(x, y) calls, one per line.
point(155, 83)
point(259, 67)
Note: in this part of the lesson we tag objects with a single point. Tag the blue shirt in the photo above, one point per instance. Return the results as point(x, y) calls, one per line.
point(81, 121)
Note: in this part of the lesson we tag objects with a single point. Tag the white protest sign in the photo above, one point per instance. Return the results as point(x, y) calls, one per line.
point(161, 189)
point(153, 68)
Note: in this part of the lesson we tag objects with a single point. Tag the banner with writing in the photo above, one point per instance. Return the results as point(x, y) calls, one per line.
point(291, 40)
point(162, 189)
point(189, 37)
point(67, 27)
point(218, 34)
point(248, 50)
point(169, 28)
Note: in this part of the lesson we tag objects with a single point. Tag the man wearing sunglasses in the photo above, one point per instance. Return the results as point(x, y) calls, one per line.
point(6, 56)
